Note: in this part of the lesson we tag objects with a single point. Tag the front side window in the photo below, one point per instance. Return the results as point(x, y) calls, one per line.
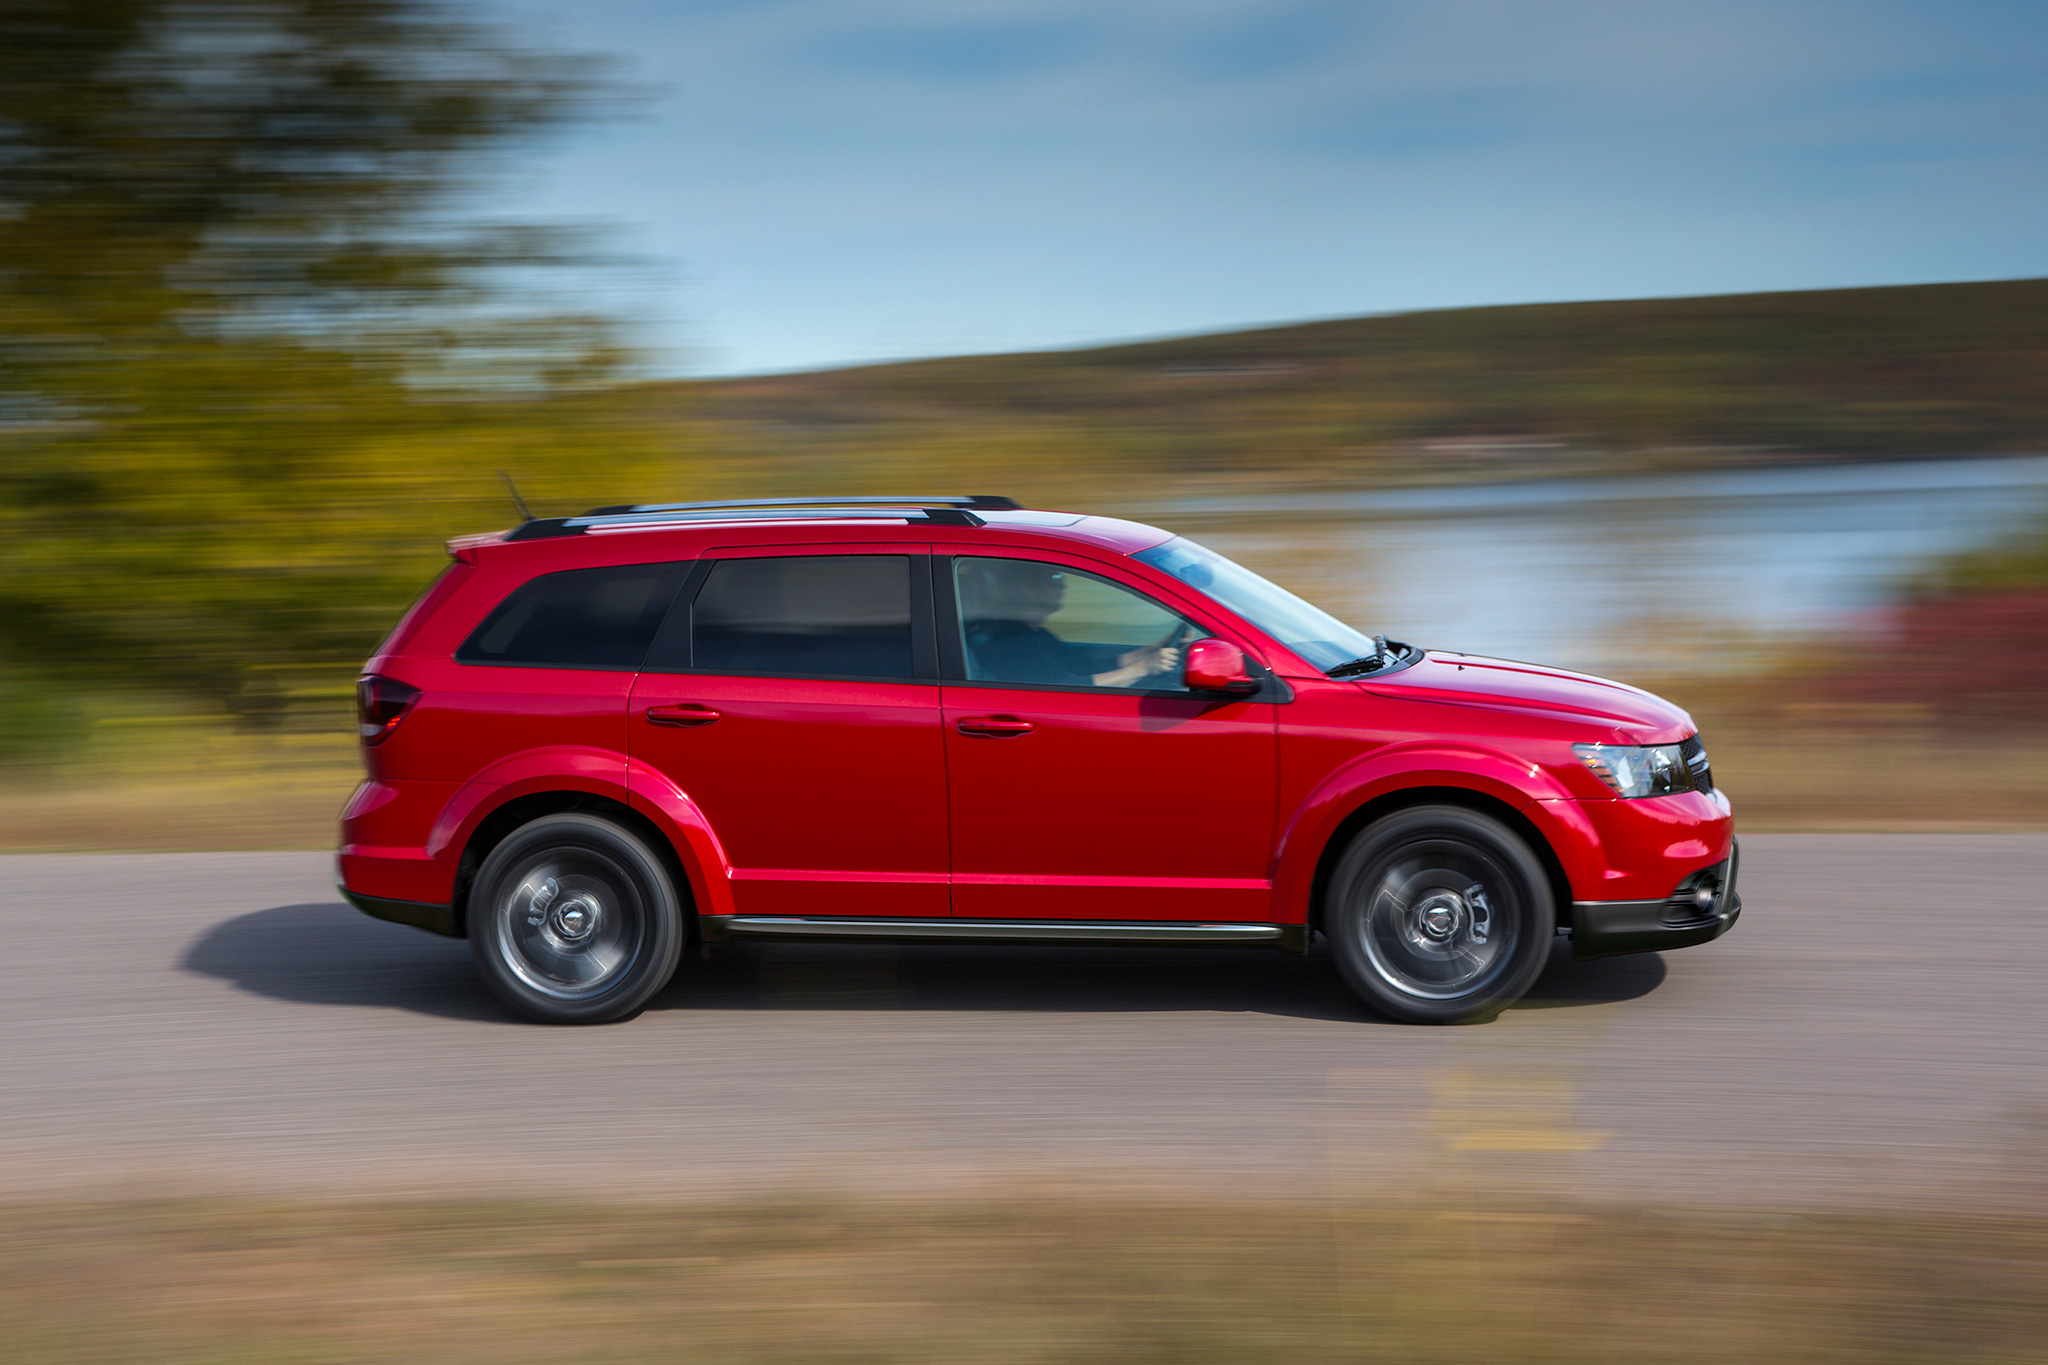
point(805, 615)
point(580, 618)
point(1025, 621)
point(1303, 627)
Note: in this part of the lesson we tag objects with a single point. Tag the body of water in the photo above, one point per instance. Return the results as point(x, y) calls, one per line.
point(1650, 573)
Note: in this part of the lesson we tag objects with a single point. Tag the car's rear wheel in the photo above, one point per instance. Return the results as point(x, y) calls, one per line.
point(573, 919)
point(1439, 915)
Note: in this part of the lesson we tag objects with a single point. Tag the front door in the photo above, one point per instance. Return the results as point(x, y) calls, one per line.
point(1086, 781)
point(793, 695)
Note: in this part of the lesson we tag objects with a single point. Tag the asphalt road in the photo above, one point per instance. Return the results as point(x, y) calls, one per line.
point(1874, 1031)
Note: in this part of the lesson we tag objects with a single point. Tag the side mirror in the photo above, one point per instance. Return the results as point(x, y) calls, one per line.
point(1218, 666)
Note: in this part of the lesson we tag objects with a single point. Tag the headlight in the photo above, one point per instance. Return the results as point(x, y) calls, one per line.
point(1640, 769)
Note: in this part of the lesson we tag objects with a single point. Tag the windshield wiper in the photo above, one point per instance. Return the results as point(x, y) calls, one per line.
point(1382, 655)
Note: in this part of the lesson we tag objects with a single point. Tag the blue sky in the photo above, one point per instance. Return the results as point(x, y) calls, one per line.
point(818, 182)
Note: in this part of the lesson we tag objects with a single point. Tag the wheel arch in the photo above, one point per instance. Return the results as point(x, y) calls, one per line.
point(1405, 798)
point(521, 810)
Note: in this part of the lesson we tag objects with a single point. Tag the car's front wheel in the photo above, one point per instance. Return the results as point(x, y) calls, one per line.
point(1439, 915)
point(573, 919)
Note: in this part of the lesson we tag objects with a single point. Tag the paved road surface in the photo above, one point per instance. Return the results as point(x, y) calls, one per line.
point(1875, 1030)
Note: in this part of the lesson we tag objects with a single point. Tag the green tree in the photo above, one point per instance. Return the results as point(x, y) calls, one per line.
point(257, 353)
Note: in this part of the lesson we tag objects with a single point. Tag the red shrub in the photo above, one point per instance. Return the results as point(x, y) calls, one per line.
point(1974, 655)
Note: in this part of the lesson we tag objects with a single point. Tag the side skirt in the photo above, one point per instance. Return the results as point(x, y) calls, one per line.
point(1289, 937)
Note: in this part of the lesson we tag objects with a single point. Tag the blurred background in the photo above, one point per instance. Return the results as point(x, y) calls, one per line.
point(1700, 345)
point(284, 284)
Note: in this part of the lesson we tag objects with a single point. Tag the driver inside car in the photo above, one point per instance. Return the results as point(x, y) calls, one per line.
point(1004, 604)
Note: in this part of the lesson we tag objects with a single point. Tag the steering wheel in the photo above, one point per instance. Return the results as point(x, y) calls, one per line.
point(1173, 639)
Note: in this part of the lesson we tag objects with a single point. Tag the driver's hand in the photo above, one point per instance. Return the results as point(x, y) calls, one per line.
point(1150, 660)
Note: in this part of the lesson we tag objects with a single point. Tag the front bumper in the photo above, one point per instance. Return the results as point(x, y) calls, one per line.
point(1611, 928)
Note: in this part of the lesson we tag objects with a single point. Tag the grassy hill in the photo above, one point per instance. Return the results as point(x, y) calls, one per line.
point(1450, 395)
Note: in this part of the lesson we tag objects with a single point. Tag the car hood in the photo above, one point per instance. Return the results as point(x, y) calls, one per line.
point(1635, 716)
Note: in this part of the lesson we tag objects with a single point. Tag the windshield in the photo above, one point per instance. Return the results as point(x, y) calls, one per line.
point(1306, 629)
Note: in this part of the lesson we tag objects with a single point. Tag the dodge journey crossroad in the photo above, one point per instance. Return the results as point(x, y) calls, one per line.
point(597, 740)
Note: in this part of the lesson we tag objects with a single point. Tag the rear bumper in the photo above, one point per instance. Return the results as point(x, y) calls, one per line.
point(435, 919)
point(1611, 928)
point(388, 844)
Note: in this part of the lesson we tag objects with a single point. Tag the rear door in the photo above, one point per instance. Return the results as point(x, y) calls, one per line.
point(793, 694)
point(1086, 781)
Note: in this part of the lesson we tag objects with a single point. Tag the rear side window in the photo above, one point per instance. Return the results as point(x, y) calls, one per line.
point(581, 618)
point(805, 615)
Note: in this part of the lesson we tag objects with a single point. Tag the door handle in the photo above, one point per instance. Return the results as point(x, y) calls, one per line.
point(686, 714)
point(994, 727)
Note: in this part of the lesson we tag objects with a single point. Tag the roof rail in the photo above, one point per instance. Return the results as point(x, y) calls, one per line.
point(985, 502)
point(943, 511)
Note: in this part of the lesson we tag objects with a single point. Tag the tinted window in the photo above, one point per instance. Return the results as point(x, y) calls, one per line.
point(1025, 621)
point(832, 615)
point(583, 618)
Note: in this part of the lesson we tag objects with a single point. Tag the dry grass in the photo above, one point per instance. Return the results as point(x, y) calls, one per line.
point(153, 777)
point(1846, 778)
point(1795, 755)
point(288, 807)
point(1012, 1281)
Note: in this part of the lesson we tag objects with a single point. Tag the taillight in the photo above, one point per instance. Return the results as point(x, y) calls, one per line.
point(380, 704)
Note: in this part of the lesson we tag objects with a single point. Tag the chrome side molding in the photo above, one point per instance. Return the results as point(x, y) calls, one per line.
point(718, 928)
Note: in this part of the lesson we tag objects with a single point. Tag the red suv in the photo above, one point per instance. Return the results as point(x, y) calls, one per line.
point(595, 739)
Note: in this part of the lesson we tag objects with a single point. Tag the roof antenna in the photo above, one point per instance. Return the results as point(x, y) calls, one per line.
point(525, 512)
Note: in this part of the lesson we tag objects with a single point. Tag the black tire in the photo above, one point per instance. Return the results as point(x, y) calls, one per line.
point(1439, 915)
point(575, 920)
